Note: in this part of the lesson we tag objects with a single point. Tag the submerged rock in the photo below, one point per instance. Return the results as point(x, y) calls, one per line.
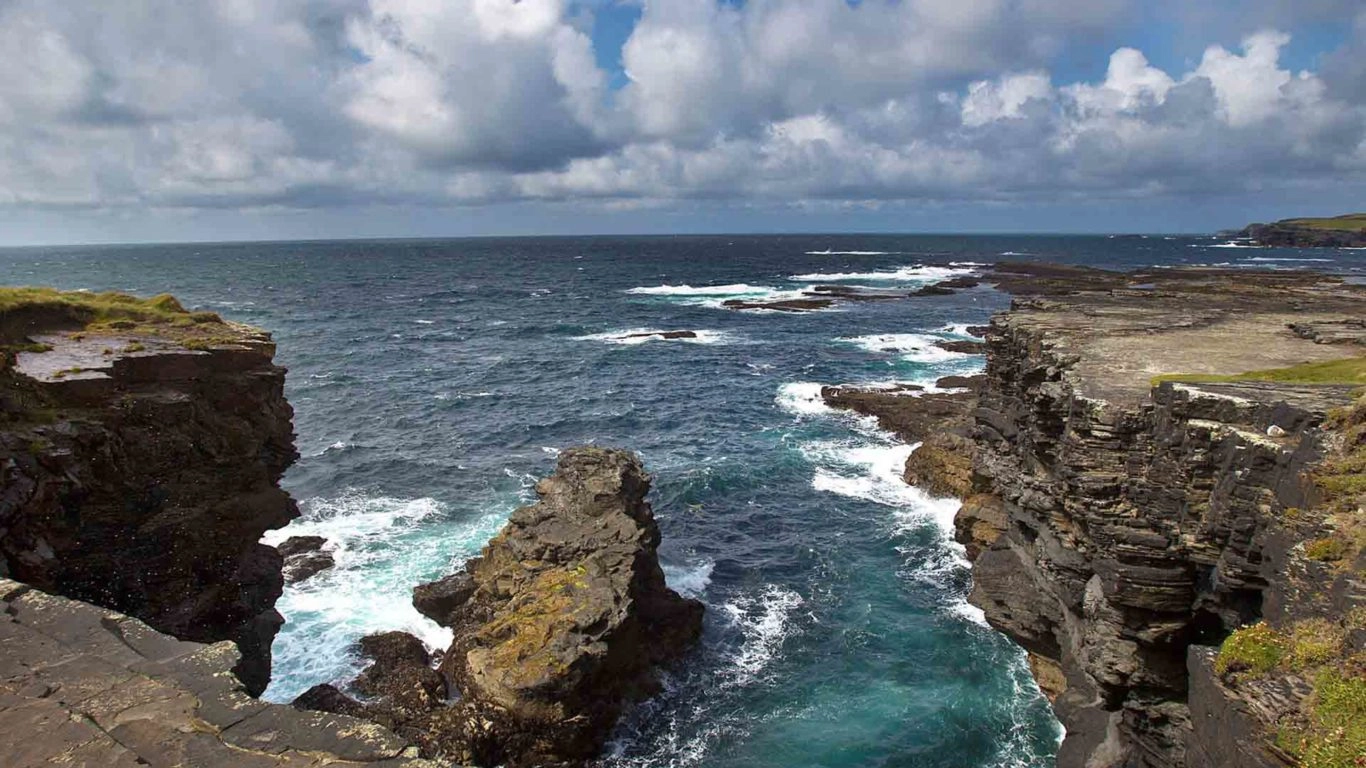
point(781, 305)
point(304, 557)
point(662, 335)
point(559, 624)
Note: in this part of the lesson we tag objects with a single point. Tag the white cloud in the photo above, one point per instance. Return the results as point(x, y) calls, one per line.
point(317, 103)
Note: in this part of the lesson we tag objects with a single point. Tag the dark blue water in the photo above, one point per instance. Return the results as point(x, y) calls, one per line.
point(434, 381)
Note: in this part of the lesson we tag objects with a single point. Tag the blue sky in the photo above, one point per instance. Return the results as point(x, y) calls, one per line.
point(256, 119)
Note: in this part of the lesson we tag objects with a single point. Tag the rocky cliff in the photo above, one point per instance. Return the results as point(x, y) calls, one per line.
point(140, 450)
point(1122, 531)
point(559, 624)
point(1347, 231)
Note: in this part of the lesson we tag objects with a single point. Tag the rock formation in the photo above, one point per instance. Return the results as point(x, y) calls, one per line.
point(304, 557)
point(141, 448)
point(1121, 531)
point(1347, 231)
point(559, 623)
point(81, 685)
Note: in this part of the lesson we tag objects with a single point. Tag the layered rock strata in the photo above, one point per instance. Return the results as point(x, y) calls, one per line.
point(559, 624)
point(139, 469)
point(1120, 531)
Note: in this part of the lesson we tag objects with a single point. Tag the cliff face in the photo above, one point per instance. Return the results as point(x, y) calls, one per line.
point(1121, 530)
point(139, 467)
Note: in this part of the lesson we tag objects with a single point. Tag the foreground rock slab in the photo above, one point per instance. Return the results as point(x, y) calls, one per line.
point(85, 686)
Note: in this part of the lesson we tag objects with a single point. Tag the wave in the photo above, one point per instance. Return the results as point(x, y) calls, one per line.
point(381, 551)
point(636, 336)
point(913, 274)
point(1284, 258)
point(689, 581)
point(912, 347)
point(734, 289)
point(803, 398)
point(715, 296)
point(828, 252)
point(1229, 244)
point(764, 621)
point(857, 470)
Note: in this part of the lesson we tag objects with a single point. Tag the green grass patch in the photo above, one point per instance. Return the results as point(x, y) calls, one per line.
point(1351, 222)
point(24, 311)
point(1327, 549)
point(1351, 370)
point(1334, 732)
point(1253, 650)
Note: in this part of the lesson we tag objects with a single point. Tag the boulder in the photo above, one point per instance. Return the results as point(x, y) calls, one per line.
point(303, 557)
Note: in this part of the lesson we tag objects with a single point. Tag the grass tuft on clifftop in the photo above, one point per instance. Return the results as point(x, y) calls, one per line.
point(26, 311)
point(1350, 222)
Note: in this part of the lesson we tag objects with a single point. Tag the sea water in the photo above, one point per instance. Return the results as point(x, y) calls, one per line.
point(434, 381)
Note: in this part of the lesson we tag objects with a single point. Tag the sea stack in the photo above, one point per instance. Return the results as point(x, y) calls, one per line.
point(560, 623)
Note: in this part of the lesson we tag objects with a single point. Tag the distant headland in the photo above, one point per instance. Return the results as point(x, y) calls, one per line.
point(1345, 231)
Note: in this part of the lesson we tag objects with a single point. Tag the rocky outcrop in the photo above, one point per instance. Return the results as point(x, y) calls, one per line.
point(140, 466)
point(1340, 232)
point(304, 557)
point(81, 685)
point(559, 624)
point(940, 421)
point(1118, 530)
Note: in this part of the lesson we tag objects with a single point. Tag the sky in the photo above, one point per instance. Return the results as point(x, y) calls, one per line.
point(165, 120)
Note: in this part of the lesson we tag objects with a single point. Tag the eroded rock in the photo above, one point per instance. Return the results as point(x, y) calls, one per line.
point(559, 624)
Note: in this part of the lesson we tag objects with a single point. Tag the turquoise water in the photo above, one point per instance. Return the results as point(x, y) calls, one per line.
point(433, 382)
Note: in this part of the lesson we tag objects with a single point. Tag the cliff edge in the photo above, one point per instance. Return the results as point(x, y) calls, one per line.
point(1163, 464)
point(141, 446)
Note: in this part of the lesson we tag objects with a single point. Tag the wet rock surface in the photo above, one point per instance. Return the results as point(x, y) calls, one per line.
point(82, 685)
point(303, 557)
point(139, 474)
point(559, 624)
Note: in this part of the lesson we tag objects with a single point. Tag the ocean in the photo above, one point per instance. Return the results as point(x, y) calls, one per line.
point(434, 381)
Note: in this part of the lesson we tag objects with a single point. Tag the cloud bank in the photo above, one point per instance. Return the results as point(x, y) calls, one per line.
point(324, 104)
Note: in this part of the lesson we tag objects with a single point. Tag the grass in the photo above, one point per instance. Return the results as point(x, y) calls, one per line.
point(24, 310)
point(1351, 222)
point(1252, 651)
point(1330, 730)
point(1350, 370)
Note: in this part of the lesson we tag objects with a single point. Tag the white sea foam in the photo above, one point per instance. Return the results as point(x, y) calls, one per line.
point(861, 471)
point(689, 580)
point(913, 347)
point(734, 289)
point(958, 329)
point(636, 336)
point(715, 296)
point(1229, 244)
point(1284, 258)
point(1015, 253)
point(802, 398)
point(376, 568)
point(764, 619)
point(914, 274)
point(425, 322)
